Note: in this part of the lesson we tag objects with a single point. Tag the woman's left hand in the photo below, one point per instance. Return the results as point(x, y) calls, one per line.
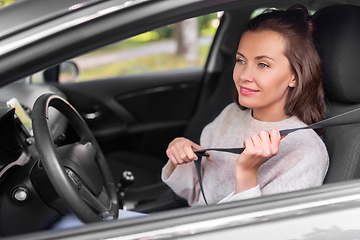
point(258, 149)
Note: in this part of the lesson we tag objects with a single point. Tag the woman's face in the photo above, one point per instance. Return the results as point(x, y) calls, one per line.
point(263, 75)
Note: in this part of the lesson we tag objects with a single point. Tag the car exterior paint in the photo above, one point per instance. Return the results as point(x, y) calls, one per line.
point(327, 212)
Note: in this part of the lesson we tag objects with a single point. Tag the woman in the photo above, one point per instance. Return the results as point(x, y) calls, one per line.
point(279, 86)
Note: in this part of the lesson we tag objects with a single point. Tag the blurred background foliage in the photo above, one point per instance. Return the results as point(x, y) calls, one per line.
point(207, 25)
point(4, 3)
point(206, 28)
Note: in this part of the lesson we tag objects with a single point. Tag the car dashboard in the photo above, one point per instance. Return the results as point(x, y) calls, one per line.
point(16, 138)
point(27, 94)
point(22, 177)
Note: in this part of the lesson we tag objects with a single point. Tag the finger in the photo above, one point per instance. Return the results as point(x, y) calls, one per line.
point(275, 141)
point(275, 137)
point(179, 159)
point(182, 151)
point(196, 147)
point(189, 148)
point(176, 155)
point(209, 158)
point(248, 143)
point(265, 146)
point(190, 155)
point(183, 158)
point(172, 158)
point(175, 142)
point(256, 140)
point(265, 137)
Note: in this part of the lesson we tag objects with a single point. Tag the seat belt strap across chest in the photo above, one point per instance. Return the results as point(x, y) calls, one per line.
point(346, 118)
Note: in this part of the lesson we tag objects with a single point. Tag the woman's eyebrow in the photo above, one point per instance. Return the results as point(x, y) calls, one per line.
point(257, 57)
point(263, 56)
point(237, 53)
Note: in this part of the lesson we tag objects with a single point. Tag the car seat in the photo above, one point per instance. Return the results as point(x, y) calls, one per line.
point(337, 39)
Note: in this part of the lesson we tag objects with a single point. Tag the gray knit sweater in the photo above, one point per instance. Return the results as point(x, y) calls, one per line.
point(302, 160)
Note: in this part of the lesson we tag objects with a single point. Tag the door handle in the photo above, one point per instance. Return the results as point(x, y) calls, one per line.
point(91, 116)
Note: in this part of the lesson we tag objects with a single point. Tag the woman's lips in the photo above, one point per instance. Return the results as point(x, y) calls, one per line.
point(247, 91)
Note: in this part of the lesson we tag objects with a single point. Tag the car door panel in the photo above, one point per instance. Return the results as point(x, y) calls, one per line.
point(139, 113)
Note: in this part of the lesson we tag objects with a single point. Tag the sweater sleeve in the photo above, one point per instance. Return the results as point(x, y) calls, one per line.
point(183, 179)
point(308, 171)
point(300, 166)
point(251, 193)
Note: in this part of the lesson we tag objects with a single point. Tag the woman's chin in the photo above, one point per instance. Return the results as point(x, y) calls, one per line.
point(244, 104)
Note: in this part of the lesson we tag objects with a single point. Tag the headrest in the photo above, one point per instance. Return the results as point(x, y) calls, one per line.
point(337, 39)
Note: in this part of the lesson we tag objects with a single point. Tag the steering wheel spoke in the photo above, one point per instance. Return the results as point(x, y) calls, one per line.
point(101, 204)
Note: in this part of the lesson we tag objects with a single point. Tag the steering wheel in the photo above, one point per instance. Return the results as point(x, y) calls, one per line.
point(78, 171)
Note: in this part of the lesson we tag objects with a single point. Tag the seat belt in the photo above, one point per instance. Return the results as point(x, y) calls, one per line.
point(346, 118)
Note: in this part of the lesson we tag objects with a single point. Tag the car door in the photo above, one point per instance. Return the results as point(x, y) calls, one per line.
point(138, 99)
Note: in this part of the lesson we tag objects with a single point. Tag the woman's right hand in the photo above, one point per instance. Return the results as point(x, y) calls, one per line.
point(181, 151)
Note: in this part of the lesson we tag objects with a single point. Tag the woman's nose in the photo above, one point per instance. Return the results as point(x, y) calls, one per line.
point(246, 74)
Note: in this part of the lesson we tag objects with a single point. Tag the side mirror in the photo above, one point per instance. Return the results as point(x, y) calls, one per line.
point(68, 71)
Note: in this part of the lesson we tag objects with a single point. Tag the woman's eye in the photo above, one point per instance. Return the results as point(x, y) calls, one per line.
point(240, 61)
point(263, 65)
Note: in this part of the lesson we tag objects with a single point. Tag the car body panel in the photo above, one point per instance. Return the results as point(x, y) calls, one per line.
point(41, 12)
point(310, 214)
point(319, 213)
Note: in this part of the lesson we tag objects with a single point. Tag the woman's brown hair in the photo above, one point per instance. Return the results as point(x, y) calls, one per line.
point(306, 100)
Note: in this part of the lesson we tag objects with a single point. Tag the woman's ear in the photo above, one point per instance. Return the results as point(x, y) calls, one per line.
point(292, 83)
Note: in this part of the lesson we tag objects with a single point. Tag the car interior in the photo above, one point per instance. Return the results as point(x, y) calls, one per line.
point(335, 48)
point(211, 90)
point(141, 114)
